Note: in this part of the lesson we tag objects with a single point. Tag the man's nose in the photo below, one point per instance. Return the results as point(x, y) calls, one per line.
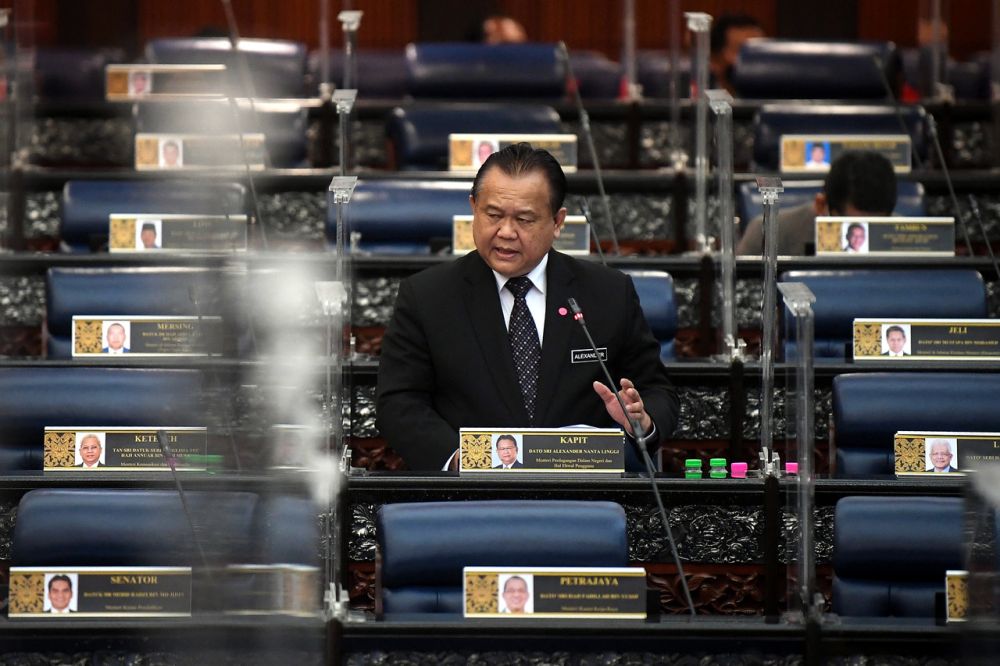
point(507, 228)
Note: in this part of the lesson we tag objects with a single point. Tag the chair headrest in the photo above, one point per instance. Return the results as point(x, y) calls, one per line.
point(404, 211)
point(381, 73)
point(469, 71)
point(656, 296)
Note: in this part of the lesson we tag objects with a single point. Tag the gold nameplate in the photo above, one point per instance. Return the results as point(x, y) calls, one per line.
point(957, 595)
point(77, 448)
point(574, 237)
point(96, 336)
point(542, 451)
point(467, 152)
point(886, 236)
point(171, 152)
point(127, 83)
point(814, 153)
point(87, 592)
point(177, 233)
point(901, 340)
point(553, 592)
point(932, 453)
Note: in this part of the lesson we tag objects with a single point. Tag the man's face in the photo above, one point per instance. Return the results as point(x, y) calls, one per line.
point(116, 336)
point(940, 455)
point(515, 595)
point(148, 237)
point(722, 62)
point(507, 451)
point(170, 154)
point(60, 594)
point(485, 150)
point(139, 83)
point(856, 238)
point(90, 450)
point(512, 223)
point(818, 154)
point(896, 341)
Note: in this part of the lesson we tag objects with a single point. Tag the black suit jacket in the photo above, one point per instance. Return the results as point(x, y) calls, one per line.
point(446, 360)
point(513, 465)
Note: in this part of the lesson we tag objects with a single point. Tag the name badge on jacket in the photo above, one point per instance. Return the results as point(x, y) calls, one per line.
point(587, 355)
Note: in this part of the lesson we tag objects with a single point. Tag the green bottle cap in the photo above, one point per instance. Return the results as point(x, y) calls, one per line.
point(717, 462)
point(692, 462)
point(692, 475)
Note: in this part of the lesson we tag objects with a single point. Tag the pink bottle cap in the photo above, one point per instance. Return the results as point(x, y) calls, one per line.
point(738, 470)
point(791, 468)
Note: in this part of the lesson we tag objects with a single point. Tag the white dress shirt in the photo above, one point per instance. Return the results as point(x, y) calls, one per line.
point(535, 298)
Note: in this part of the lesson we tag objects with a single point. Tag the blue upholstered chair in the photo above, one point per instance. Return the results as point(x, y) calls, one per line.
point(32, 398)
point(869, 408)
point(128, 292)
point(843, 295)
point(597, 76)
point(653, 74)
point(87, 204)
point(403, 216)
point(909, 198)
point(419, 133)
point(381, 73)
point(789, 69)
point(485, 71)
point(659, 305)
point(422, 547)
point(775, 120)
point(890, 554)
point(277, 68)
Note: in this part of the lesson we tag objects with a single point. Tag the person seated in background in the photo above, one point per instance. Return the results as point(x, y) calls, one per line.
point(728, 34)
point(859, 184)
point(501, 29)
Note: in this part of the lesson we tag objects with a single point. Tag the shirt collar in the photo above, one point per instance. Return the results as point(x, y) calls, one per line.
point(536, 275)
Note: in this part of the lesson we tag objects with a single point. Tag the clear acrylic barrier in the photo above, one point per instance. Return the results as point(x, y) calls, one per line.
point(980, 598)
point(700, 23)
point(770, 188)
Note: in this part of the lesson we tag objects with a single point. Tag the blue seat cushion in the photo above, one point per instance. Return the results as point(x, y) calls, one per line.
point(656, 296)
point(470, 71)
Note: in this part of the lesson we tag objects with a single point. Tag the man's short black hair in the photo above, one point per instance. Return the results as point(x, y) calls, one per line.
point(148, 226)
point(852, 226)
point(61, 577)
point(509, 437)
point(863, 179)
point(892, 328)
point(719, 35)
point(519, 159)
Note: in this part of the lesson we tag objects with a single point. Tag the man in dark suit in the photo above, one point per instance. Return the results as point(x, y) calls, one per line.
point(488, 341)
point(90, 452)
point(116, 340)
point(895, 341)
point(60, 594)
point(941, 456)
point(507, 452)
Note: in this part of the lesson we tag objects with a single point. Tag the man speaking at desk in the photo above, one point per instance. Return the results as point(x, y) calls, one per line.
point(488, 340)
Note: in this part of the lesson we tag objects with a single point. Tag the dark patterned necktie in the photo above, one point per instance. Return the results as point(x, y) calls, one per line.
point(524, 346)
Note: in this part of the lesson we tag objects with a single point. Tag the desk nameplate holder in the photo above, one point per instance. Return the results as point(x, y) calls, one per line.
point(964, 451)
point(467, 152)
point(885, 236)
point(814, 153)
point(199, 152)
point(94, 336)
point(574, 238)
point(149, 82)
point(544, 450)
point(124, 449)
point(944, 340)
point(143, 232)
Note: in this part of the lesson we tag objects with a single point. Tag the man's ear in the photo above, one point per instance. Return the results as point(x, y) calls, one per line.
point(560, 220)
point(472, 204)
point(819, 204)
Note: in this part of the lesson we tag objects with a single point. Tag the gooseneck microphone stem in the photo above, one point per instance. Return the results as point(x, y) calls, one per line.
point(168, 457)
point(639, 440)
point(978, 216)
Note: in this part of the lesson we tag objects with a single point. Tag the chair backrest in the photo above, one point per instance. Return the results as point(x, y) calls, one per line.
point(276, 67)
point(87, 205)
point(659, 305)
point(424, 546)
point(403, 216)
point(791, 69)
point(72, 75)
point(909, 198)
point(597, 76)
point(775, 120)
point(101, 527)
point(890, 554)
point(843, 295)
point(485, 71)
point(653, 73)
point(32, 398)
point(419, 133)
point(869, 408)
point(381, 73)
point(190, 292)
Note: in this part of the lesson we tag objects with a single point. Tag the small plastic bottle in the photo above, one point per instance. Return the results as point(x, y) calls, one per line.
point(692, 468)
point(717, 468)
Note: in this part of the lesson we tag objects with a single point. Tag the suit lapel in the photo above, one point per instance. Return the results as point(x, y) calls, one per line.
point(555, 346)
point(482, 302)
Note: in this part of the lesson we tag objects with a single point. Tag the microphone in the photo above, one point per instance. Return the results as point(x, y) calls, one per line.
point(639, 440)
point(168, 457)
point(585, 209)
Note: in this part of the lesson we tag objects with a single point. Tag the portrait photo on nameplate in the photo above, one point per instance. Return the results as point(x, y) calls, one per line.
point(921, 453)
point(97, 336)
point(573, 238)
point(128, 83)
point(903, 340)
point(177, 233)
point(468, 152)
point(814, 153)
point(131, 449)
point(554, 592)
point(92, 592)
point(542, 451)
point(885, 236)
point(171, 152)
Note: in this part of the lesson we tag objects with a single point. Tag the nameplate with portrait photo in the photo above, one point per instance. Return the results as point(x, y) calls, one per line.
point(574, 237)
point(542, 451)
point(933, 453)
point(467, 152)
point(134, 83)
point(902, 340)
point(177, 233)
point(885, 236)
point(124, 449)
point(198, 152)
point(88, 592)
point(814, 153)
point(555, 592)
point(97, 336)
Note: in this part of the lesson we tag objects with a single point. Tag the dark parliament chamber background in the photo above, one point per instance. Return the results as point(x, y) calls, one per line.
point(211, 209)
